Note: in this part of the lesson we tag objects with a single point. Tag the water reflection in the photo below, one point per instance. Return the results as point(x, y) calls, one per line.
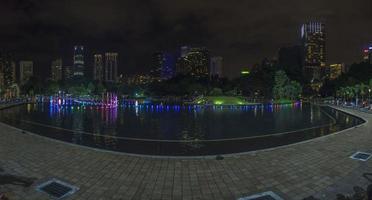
point(202, 130)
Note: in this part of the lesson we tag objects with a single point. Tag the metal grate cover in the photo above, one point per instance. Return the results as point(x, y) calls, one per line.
point(263, 196)
point(57, 189)
point(362, 156)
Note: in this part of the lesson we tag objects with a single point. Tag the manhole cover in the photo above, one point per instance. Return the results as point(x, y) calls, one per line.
point(262, 196)
point(361, 156)
point(57, 189)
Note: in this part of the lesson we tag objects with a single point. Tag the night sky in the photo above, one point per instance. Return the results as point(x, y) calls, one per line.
point(242, 31)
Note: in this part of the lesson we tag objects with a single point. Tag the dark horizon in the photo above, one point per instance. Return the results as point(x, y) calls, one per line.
point(243, 33)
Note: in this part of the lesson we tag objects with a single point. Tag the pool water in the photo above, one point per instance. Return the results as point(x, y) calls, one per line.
point(179, 130)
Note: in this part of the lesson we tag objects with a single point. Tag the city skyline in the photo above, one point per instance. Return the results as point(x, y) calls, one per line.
point(242, 37)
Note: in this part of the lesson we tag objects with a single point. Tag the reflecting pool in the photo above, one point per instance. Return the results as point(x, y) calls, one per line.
point(178, 129)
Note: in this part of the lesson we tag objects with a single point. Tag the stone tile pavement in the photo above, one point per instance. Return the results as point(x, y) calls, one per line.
point(319, 167)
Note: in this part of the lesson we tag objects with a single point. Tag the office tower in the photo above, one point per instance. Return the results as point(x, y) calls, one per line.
point(195, 62)
point(26, 71)
point(314, 44)
point(367, 55)
point(1, 77)
point(290, 59)
point(111, 67)
point(163, 65)
point(156, 65)
point(98, 67)
point(216, 67)
point(14, 75)
point(56, 70)
point(8, 69)
point(335, 70)
point(78, 61)
point(168, 66)
point(67, 73)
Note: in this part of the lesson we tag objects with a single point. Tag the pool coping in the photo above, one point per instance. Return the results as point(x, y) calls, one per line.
point(229, 155)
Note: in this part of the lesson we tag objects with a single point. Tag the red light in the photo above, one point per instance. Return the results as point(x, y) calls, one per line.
point(366, 51)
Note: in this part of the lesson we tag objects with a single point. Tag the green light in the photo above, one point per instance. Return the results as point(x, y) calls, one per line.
point(199, 102)
point(245, 72)
point(217, 102)
point(240, 103)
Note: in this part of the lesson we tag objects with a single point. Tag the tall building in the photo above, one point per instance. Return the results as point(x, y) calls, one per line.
point(335, 70)
point(216, 67)
point(78, 61)
point(98, 67)
point(194, 62)
point(26, 70)
point(111, 67)
point(8, 70)
point(67, 72)
point(156, 65)
point(314, 43)
point(163, 65)
point(56, 70)
point(367, 55)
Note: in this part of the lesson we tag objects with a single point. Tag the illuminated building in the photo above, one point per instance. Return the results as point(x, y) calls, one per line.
point(98, 67)
point(335, 70)
point(194, 62)
point(163, 65)
point(1, 78)
point(78, 61)
point(367, 55)
point(8, 70)
point(26, 70)
point(314, 44)
point(68, 73)
point(216, 66)
point(56, 70)
point(111, 67)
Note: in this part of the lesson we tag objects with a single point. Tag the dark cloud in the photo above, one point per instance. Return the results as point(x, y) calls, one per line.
point(241, 31)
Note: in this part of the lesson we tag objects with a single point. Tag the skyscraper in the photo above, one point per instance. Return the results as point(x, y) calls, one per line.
point(78, 60)
point(194, 62)
point(335, 70)
point(8, 70)
point(169, 65)
point(163, 65)
point(98, 67)
point(216, 67)
point(111, 67)
point(314, 43)
point(67, 72)
point(56, 70)
point(156, 65)
point(26, 71)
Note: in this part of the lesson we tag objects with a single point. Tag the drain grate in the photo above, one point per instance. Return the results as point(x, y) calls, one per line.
point(263, 196)
point(362, 156)
point(57, 189)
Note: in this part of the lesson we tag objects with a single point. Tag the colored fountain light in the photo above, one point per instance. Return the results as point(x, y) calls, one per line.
point(108, 100)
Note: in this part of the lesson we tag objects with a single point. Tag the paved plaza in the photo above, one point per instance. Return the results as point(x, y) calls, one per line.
point(320, 167)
